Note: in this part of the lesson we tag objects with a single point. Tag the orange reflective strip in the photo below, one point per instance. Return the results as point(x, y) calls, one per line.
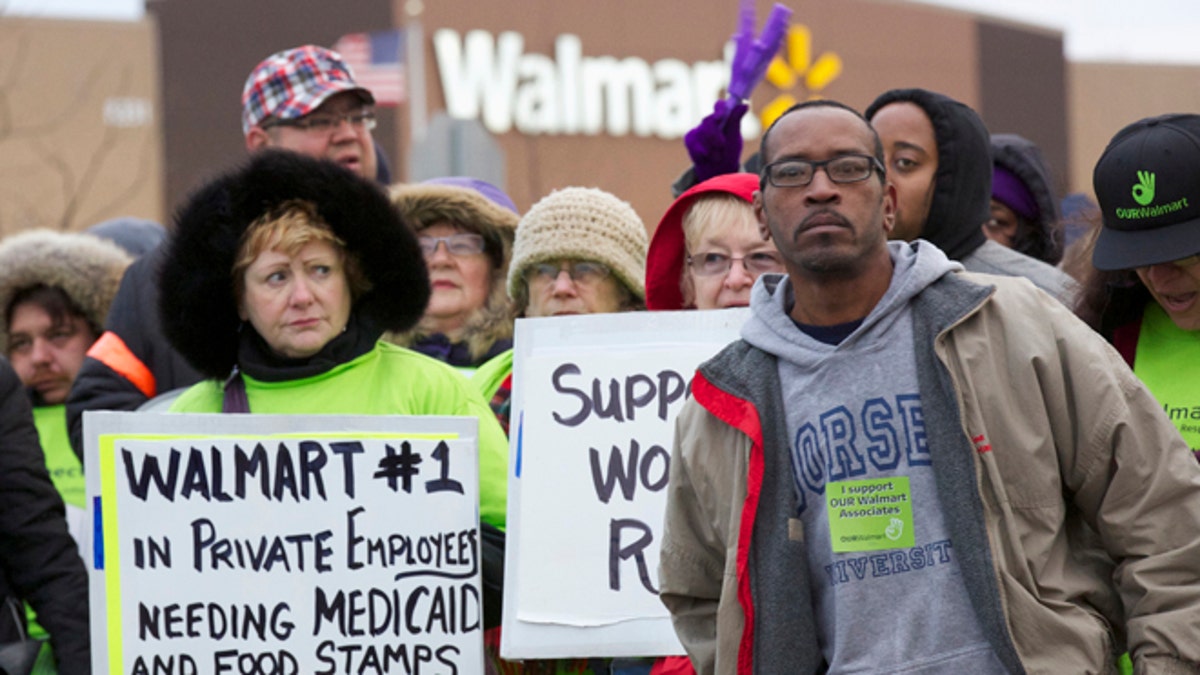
point(111, 350)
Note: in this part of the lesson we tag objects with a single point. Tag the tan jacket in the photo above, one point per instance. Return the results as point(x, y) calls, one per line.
point(1075, 490)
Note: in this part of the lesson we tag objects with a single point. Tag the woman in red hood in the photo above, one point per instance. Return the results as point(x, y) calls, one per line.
point(708, 249)
point(705, 254)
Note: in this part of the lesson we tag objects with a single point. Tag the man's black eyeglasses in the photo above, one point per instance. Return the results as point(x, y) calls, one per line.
point(323, 124)
point(840, 169)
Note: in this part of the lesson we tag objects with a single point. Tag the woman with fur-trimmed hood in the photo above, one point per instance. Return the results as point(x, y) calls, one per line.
point(55, 290)
point(278, 282)
point(465, 227)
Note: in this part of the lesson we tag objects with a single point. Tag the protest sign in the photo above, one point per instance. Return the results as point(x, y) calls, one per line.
point(276, 545)
point(593, 413)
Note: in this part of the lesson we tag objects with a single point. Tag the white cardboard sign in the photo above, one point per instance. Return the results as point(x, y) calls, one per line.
point(593, 413)
point(279, 544)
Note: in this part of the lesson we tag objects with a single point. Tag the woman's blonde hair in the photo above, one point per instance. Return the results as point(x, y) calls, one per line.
point(711, 211)
point(287, 228)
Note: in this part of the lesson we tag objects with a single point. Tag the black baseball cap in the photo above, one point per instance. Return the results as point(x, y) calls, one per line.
point(1148, 185)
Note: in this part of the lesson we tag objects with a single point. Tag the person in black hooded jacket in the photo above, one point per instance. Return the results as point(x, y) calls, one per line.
point(39, 561)
point(1024, 206)
point(939, 159)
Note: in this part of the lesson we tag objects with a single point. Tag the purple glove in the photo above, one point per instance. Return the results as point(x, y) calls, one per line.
point(715, 145)
point(750, 56)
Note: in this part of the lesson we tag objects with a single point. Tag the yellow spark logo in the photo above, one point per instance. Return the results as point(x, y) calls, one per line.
point(785, 75)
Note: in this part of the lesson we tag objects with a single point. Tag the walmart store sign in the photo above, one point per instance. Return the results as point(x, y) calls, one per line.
point(492, 79)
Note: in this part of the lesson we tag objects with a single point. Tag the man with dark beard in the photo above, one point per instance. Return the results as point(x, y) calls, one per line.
point(890, 471)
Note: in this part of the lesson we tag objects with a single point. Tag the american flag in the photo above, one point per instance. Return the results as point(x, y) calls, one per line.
point(377, 60)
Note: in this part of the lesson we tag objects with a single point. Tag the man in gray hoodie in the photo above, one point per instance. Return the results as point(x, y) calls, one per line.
point(897, 468)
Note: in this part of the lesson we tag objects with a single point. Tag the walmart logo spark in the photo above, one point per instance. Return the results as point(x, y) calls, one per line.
point(799, 68)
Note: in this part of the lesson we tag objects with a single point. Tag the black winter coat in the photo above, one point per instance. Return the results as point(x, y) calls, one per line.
point(133, 318)
point(39, 561)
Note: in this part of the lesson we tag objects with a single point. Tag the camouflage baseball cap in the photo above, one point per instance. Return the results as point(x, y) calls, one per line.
point(292, 83)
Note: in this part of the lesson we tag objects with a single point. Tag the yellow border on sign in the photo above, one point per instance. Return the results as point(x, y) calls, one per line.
point(331, 434)
point(108, 504)
point(112, 558)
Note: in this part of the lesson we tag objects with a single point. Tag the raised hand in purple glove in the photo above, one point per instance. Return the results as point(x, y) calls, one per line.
point(752, 56)
point(715, 145)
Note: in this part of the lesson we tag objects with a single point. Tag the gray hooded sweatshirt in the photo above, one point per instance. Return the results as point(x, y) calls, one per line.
point(886, 582)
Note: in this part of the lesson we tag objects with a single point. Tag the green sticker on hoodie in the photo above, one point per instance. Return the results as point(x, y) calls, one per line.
point(870, 515)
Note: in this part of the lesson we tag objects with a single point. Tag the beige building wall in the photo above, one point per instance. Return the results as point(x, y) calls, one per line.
point(80, 134)
point(1104, 97)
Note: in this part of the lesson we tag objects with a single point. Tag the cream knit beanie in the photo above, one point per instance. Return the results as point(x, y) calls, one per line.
point(582, 224)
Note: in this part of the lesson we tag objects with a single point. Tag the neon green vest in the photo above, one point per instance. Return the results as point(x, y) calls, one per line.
point(488, 377)
point(1168, 362)
point(387, 380)
point(66, 471)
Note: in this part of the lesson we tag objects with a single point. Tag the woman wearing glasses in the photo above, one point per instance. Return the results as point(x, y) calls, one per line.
point(707, 250)
point(577, 251)
point(1145, 293)
point(465, 228)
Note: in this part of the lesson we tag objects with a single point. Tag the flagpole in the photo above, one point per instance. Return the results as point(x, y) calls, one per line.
point(415, 46)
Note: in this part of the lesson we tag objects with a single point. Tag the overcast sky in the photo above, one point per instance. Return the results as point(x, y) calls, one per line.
point(1107, 30)
point(1159, 31)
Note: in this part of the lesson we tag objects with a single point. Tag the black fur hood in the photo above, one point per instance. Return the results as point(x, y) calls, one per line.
point(197, 304)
